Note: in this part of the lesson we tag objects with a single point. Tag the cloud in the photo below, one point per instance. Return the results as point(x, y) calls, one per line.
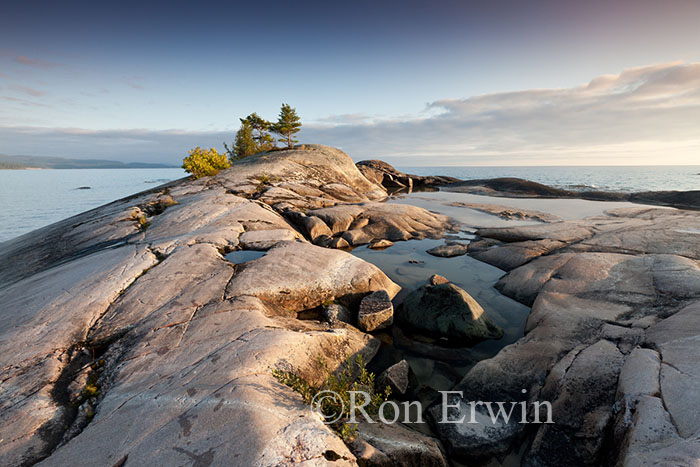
point(34, 62)
point(24, 102)
point(654, 109)
point(646, 115)
point(27, 90)
point(133, 81)
point(344, 119)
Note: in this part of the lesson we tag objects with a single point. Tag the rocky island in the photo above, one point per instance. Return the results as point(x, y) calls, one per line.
point(140, 333)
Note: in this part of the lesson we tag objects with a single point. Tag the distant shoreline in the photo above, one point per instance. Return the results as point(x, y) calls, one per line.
point(42, 162)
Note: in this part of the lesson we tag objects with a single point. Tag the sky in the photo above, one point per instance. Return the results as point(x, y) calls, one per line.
point(614, 82)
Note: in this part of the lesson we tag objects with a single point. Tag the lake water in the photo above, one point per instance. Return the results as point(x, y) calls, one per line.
point(34, 198)
point(609, 178)
point(30, 199)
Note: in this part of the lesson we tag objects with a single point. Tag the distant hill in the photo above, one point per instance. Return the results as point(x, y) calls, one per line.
point(39, 162)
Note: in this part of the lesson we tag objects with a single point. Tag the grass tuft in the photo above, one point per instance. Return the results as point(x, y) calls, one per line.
point(352, 376)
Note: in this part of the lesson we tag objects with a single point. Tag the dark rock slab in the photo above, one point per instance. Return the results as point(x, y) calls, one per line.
point(446, 311)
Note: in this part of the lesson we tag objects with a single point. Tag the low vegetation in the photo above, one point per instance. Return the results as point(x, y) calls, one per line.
point(203, 162)
point(352, 376)
point(253, 137)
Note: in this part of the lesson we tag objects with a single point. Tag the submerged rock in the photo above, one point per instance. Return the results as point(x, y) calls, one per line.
point(449, 250)
point(376, 311)
point(446, 311)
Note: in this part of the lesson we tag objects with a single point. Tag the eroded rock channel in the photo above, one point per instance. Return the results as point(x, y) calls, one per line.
point(146, 331)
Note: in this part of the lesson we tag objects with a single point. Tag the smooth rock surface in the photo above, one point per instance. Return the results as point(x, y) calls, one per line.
point(186, 339)
point(611, 341)
point(289, 275)
point(512, 255)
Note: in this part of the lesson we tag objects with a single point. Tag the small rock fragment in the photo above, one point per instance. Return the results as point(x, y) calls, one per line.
point(437, 279)
point(396, 377)
point(381, 244)
point(376, 311)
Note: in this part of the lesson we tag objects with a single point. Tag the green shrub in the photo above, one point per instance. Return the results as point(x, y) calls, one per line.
point(352, 376)
point(202, 162)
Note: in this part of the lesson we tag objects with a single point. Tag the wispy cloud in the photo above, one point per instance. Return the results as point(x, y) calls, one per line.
point(35, 62)
point(24, 102)
point(134, 82)
point(27, 90)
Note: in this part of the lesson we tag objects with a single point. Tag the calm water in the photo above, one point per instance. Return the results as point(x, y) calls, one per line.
point(34, 198)
point(625, 179)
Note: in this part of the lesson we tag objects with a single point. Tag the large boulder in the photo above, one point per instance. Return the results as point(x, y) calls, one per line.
point(300, 276)
point(371, 221)
point(384, 174)
point(446, 311)
point(313, 165)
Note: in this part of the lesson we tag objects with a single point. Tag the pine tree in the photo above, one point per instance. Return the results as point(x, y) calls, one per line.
point(260, 128)
point(245, 144)
point(287, 125)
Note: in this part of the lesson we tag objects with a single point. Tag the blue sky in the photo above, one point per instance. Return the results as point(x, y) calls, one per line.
point(420, 83)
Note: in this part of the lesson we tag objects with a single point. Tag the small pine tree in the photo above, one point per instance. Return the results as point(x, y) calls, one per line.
point(260, 128)
point(287, 125)
point(202, 162)
point(244, 145)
